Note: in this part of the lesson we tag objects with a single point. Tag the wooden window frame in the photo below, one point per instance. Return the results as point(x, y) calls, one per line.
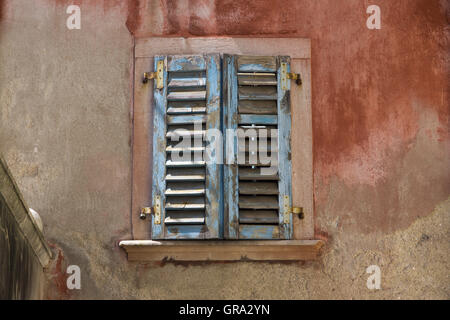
point(299, 50)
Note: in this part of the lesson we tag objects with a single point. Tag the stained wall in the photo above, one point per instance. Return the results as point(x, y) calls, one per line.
point(380, 142)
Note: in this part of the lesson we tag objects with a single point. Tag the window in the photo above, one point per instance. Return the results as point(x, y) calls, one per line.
point(221, 155)
point(221, 221)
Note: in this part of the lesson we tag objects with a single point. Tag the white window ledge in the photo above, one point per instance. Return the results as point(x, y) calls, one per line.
point(222, 250)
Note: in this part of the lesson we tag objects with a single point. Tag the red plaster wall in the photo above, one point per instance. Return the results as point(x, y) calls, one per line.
point(369, 89)
point(380, 139)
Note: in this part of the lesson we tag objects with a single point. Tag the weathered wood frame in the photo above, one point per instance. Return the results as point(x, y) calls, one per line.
point(142, 117)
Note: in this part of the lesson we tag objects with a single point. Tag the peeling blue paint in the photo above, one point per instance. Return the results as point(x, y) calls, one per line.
point(159, 147)
point(284, 149)
point(231, 178)
point(258, 119)
point(258, 232)
point(214, 184)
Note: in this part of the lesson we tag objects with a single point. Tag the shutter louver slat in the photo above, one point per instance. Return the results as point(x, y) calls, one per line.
point(186, 119)
point(187, 95)
point(185, 218)
point(188, 80)
point(186, 63)
point(257, 79)
point(258, 119)
point(255, 174)
point(257, 93)
point(182, 189)
point(258, 202)
point(257, 107)
point(186, 107)
point(256, 64)
point(258, 188)
point(184, 164)
point(185, 174)
point(258, 217)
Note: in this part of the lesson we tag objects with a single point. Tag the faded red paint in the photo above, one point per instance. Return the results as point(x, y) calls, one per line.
point(133, 18)
point(364, 81)
point(369, 90)
point(57, 276)
point(369, 87)
point(321, 235)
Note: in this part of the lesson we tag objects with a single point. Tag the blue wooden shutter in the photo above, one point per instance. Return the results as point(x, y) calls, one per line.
point(187, 192)
point(256, 96)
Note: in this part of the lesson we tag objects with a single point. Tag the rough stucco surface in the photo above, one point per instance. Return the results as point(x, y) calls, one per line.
point(380, 132)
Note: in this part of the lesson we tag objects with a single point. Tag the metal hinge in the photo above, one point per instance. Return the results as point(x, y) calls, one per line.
point(158, 75)
point(286, 210)
point(157, 210)
point(285, 76)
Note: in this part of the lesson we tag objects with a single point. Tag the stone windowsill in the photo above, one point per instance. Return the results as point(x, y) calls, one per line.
point(225, 250)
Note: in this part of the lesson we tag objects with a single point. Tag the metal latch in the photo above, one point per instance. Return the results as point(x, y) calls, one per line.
point(298, 211)
point(145, 212)
point(287, 210)
point(158, 75)
point(294, 76)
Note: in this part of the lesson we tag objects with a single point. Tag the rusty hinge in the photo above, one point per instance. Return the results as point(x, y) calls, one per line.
point(158, 75)
point(286, 209)
point(157, 210)
point(285, 76)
